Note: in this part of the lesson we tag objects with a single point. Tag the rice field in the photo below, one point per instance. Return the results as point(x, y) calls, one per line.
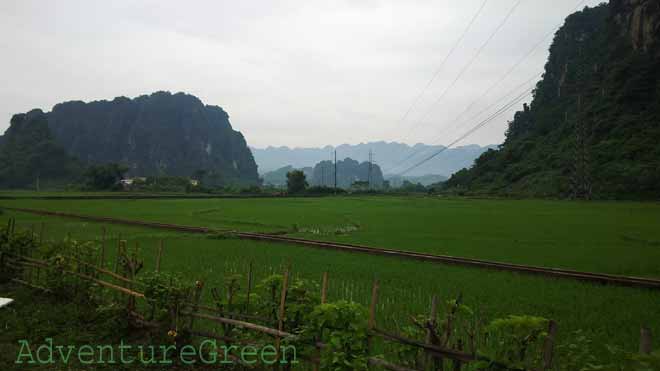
point(606, 237)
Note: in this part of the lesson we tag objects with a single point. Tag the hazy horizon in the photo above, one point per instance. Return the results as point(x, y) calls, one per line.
point(289, 74)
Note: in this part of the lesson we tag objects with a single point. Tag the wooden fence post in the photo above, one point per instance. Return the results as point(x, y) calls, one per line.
point(199, 285)
point(280, 319)
point(102, 252)
point(249, 290)
point(119, 251)
point(324, 288)
point(132, 265)
point(548, 346)
point(41, 233)
point(457, 363)
point(372, 315)
point(645, 345)
point(433, 362)
point(324, 299)
point(159, 256)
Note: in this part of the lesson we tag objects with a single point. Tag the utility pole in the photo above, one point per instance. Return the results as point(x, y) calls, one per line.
point(335, 171)
point(369, 177)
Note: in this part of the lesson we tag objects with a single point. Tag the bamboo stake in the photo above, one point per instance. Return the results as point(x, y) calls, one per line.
point(119, 250)
point(324, 288)
point(132, 264)
point(372, 315)
point(280, 319)
point(199, 285)
point(645, 346)
point(25, 283)
point(457, 363)
point(548, 345)
point(41, 233)
point(433, 362)
point(372, 306)
point(249, 289)
point(159, 256)
point(324, 298)
point(102, 253)
point(433, 349)
point(242, 324)
point(231, 314)
point(108, 285)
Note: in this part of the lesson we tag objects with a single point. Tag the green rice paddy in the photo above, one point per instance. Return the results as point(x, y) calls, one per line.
point(621, 238)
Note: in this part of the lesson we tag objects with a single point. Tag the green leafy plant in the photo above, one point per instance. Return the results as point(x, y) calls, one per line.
point(167, 294)
point(456, 329)
point(514, 342)
point(72, 256)
point(342, 327)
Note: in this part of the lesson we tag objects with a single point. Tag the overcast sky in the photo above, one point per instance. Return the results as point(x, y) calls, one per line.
point(296, 73)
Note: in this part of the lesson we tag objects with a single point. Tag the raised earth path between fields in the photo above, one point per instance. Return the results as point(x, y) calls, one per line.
point(528, 269)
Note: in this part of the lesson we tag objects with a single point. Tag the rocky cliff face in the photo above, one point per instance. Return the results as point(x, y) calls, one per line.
point(593, 127)
point(30, 157)
point(161, 133)
point(639, 20)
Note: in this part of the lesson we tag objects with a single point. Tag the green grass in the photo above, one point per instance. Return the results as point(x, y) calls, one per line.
point(610, 237)
point(609, 315)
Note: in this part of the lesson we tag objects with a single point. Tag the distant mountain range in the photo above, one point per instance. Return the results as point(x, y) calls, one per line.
point(348, 172)
point(389, 156)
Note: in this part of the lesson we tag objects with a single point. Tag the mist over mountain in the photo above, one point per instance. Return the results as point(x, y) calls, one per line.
point(277, 177)
point(386, 154)
point(349, 171)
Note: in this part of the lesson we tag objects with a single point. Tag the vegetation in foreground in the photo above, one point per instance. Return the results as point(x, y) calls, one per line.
point(602, 314)
point(510, 343)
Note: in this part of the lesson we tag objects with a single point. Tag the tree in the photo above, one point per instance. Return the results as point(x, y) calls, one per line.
point(104, 177)
point(199, 174)
point(296, 182)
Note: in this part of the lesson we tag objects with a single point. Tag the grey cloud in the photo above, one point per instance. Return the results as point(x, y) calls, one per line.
point(297, 73)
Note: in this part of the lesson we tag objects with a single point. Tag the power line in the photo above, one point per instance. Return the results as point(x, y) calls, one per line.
point(468, 65)
point(519, 62)
point(499, 81)
point(475, 116)
point(471, 131)
point(444, 61)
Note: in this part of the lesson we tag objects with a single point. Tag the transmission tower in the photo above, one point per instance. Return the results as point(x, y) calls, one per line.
point(581, 187)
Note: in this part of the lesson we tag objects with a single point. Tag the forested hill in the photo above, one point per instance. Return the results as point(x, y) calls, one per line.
point(593, 127)
point(157, 134)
